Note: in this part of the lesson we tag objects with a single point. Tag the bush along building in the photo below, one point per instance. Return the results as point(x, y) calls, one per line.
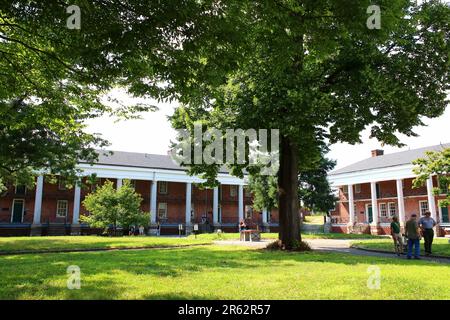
point(172, 197)
point(374, 190)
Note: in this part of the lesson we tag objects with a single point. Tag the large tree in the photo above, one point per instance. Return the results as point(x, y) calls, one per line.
point(318, 73)
point(311, 68)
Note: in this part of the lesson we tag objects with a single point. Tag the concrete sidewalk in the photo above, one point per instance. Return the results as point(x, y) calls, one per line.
point(330, 245)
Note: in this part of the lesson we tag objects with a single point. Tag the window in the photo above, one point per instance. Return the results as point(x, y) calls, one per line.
point(61, 184)
point(233, 191)
point(21, 190)
point(162, 187)
point(423, 207)
point(248, 212)
point(162, 211)
point(357, 188)
point(61, 208)
point(392, 209)
point(383, 210)
point(247, 192)
point(345, 189)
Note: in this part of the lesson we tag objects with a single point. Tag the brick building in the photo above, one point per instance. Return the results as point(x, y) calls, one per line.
point(171, 195)
point(373, 190)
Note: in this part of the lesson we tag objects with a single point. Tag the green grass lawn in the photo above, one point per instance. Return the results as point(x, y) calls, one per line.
point(9, 244)
point(234, 236)
point(440, 246)
point(91, 242)
point(218, 272)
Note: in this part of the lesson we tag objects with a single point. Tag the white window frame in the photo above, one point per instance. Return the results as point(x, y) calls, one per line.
point(389, 208)
point(385, 209)
point(358, 188)
point(58, 208)
point(233, 190)
point(162, 206)
point(163, 187)
point(345, 189)
point(421, 213)
point(23, 209)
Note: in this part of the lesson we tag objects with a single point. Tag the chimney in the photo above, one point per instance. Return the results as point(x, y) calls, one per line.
point(377, 152)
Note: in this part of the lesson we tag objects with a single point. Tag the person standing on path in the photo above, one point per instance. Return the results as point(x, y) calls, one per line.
point(396, 236)
point(413, 234)
point(427, 224)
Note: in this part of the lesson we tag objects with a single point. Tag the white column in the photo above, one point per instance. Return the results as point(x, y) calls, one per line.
point(38, 200)
point(401, 202)
point(188, 202)
point(373, 191)
point(264, 216)
point(153, 212)
point(241, 202)
point(351, 205)
point(76, 205)
point(216, 205)
point(431, 201)
point(119, 183)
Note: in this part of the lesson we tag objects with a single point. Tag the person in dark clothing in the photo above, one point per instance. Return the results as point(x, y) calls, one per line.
point(413, 235)
point(396, 236)
point(426, 225)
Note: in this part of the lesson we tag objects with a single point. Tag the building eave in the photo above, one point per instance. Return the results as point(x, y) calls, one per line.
point(366, 176)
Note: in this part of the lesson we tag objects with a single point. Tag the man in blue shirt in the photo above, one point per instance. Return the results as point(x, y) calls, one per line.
point(427, 224)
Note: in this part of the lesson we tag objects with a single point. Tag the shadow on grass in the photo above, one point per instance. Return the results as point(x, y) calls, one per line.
point(106, 274)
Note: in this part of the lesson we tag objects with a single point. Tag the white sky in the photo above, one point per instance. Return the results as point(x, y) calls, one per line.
point(153, 134)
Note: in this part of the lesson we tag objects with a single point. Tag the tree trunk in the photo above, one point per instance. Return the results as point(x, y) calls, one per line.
point(288, 195)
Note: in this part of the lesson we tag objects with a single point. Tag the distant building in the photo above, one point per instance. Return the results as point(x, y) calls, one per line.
point(168, 192)
point(374, 190)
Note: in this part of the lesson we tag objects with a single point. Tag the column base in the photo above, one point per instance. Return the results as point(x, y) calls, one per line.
point(75, 229)
point(189, 229)
point(374, 229)
point(153, 229)
point(350, 228)
point(36, 230)
point(327, 227)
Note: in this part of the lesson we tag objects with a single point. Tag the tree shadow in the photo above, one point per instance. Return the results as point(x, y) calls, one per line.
point(105, 274)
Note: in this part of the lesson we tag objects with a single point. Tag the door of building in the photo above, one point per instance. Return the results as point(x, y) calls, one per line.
point(444, 214)
point(17, 211)
point(369, 213)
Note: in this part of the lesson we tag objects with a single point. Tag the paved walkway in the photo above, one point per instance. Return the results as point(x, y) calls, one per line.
point(329, 245)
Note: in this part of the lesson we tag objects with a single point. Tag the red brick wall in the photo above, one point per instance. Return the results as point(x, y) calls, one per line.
point(388, 193)
point(202, 203)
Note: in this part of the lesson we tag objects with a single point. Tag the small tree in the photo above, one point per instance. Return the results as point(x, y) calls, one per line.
point(437, 163)
point(111, 207)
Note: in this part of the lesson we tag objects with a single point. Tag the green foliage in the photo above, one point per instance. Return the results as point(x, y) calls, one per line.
point(435, 163)
point(264, 190)
point(314, 189)
point(111, 207)
point(315, 71)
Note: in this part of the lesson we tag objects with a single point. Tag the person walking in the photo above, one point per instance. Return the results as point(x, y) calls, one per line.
point(426, 224)
point(413, 234)
point(396, 236)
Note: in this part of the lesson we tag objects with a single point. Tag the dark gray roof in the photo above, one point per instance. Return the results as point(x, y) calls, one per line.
point(140, 160)
point(389, 160)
